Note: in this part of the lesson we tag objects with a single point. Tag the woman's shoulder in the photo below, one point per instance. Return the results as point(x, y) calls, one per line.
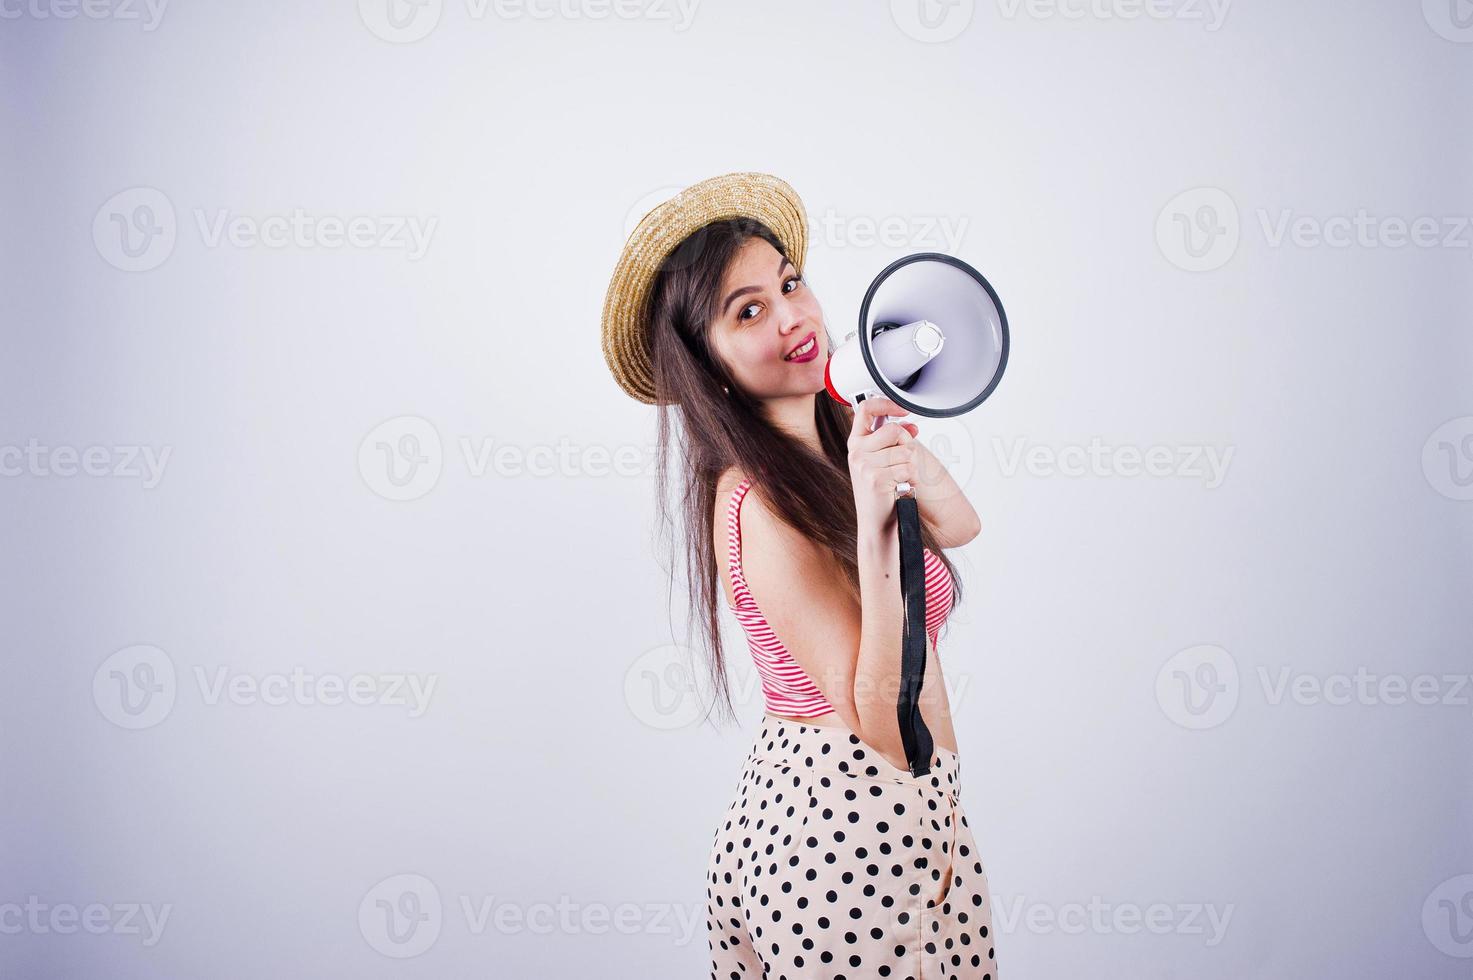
point(760, 521)
point(755, 514)
point(728, 481)
point(726, 484)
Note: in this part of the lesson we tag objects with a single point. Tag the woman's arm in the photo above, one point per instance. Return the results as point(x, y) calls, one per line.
point(877, 669)
point(878, 460)
point(941, 502)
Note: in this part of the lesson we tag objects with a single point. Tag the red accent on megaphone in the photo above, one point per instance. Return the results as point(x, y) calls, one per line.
point(829, 384)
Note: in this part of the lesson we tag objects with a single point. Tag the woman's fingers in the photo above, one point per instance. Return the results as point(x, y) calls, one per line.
point(894, 456)
point(879, 460)
point(868, 410)
point(889, 434)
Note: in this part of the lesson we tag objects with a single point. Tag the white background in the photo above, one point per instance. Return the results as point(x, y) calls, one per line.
point(556, 778)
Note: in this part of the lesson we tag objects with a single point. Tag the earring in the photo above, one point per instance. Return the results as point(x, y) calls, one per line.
point(725, 390)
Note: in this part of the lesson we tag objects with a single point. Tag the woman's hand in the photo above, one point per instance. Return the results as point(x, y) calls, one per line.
point(878, 461)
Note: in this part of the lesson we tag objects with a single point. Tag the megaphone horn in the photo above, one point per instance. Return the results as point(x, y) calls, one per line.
point(916, 308)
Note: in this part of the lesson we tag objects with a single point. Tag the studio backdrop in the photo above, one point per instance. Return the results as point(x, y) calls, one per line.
point(340, 638)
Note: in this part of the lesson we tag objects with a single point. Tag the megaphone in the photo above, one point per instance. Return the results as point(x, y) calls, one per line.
point(933, 338)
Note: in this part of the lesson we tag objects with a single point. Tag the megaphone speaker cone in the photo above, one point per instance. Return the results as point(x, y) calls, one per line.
point(933, 338)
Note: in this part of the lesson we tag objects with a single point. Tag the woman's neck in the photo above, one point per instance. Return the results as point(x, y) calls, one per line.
point(794, 415)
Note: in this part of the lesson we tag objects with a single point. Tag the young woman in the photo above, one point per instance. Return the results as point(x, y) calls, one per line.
point(832, 860)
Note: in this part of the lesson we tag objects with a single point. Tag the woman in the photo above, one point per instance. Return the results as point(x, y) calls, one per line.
point(832, 860)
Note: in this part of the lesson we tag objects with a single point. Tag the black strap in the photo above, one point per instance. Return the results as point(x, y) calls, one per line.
point(914, 734)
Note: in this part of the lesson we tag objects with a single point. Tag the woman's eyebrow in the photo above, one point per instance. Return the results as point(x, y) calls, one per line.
point(726, 304)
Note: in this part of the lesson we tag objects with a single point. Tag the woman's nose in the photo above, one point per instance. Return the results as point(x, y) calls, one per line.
point(790, 317)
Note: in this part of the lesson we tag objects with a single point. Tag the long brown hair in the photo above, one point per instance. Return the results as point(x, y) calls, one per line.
point(705, 430)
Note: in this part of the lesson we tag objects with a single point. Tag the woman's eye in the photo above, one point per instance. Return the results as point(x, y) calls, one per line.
point(743, 314)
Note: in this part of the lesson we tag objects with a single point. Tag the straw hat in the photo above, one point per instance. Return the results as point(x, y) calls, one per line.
point(626, 342)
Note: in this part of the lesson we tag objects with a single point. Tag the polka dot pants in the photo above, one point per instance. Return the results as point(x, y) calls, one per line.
point(833, 863)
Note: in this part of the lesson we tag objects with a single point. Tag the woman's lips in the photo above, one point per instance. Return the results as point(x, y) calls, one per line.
point(809, 348)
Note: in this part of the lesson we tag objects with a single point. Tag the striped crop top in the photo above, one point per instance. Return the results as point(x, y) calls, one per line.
point(786, 686)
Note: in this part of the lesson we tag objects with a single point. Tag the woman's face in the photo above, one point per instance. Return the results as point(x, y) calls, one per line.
point(766, 312)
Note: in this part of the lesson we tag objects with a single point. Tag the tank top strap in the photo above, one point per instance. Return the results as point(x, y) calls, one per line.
point(734, 525)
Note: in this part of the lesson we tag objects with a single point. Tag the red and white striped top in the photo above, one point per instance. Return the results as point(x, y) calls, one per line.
point(786, 686)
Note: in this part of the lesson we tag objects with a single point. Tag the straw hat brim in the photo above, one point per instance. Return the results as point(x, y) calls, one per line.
point(625, 330)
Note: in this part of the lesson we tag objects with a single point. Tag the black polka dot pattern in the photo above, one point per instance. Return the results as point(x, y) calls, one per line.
point(830, 862)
